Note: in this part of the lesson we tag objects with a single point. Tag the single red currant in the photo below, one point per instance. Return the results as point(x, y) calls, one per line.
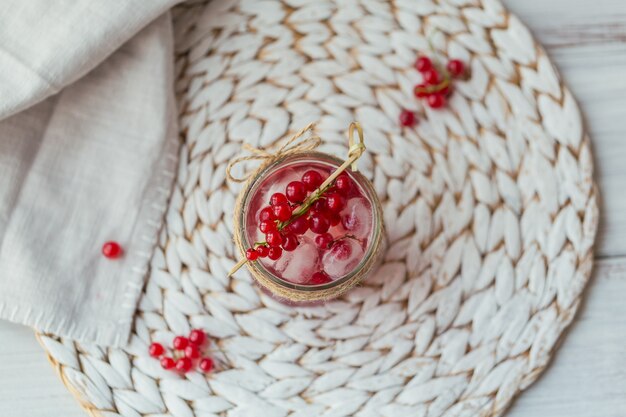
point(319, 223)
point(431, 76)
point(275, 252)
point(267, 225)
point(423, 63)
point(290, 242)
point(251, 254)
point(299, 225)
point(167, 362)
point(407, 118)
point(455, 67)
point(180, 342)
point(111, 250)
point(319, 277)
point(183, 365)
point(156, 350)
point(312, 179)
point(343, 183)
point(205, 364)
point(274, 239)
point(341, 250)
point(282, 211)
point(262, 251)
point(278, 198)
point(197, 337)
point(335, 202)
point(319, 206)
point(334, 218)
point(324, 240)
point(266, 214)
point(192, 352)
point(420, 91)
point(436, 101)
point(296, 191)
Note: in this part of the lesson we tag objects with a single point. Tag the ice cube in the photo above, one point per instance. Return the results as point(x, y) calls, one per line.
point(342, 257)
point(299, 265)
point(356, 218)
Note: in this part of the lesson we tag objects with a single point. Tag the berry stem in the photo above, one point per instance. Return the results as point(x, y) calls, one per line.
point(354, 152)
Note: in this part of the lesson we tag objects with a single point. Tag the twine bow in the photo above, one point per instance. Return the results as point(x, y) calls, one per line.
point(357, 147)
point(288, 147)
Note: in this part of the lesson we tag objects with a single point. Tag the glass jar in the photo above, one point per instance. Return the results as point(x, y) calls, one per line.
point(357, 232)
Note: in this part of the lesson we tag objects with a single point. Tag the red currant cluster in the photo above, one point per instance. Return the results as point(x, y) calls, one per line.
point(187, 351)
point(436, 86)
point(293, 213)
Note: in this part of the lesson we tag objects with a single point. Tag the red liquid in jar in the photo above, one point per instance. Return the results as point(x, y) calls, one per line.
point(350, 237)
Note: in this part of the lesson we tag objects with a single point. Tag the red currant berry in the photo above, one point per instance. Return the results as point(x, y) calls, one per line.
point(282, 212)
point(197, 336)
point(423, 63)
point(180, 342)
point(334, 218)
point(319, 223)
point(111, 250)
point(251, 254)
point(312, 179)
point(278, 198)
point(431, 76)
point(319, 206)
point(445, 90)
point(267, 225)
point(342, 250)
point(407, 118)
point(275, 253)
point(420, 91)
point(335, 202)
point(274, 239)
point(262, 251)
point(455, 67)
point(296, 191)
point(192, 352)
point(324, 240)
point(266, 214)
point(343, 183)
point(299, 226)
point(183, 365)
point(320, 277)
point(156, 350)
point(206, 364)
point(167, 362)
point(436, 101)
point(290, 242)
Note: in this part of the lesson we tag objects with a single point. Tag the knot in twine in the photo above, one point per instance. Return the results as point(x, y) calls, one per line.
point(357, 147)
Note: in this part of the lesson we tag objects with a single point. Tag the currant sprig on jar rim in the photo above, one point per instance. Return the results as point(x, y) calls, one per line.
point(186, 352)
point(436, 87)
point(305, 205)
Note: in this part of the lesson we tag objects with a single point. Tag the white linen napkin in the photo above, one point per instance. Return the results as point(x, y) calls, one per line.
point(88, 145)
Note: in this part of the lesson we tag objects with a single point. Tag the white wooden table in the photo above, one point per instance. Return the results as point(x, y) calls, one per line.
point(587, 378)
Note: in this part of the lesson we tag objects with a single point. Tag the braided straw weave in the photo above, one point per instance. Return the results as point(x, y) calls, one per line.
point(489, 206)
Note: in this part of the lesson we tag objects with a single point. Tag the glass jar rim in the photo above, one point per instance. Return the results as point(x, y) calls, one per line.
point(364, 183)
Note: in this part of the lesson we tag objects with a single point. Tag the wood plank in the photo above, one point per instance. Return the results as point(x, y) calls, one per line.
point(587, 42)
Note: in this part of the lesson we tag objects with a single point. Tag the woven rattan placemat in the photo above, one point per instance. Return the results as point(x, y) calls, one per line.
point(489, 205)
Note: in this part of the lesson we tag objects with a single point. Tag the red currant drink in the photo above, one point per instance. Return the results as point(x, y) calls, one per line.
point(324, 244)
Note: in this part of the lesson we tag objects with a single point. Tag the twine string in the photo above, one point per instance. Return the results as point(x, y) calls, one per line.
point(260, 154)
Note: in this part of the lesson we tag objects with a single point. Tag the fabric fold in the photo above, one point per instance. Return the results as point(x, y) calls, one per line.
point(93, 163)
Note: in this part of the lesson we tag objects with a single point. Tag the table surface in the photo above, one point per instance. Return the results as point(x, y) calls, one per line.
point(587, 378)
